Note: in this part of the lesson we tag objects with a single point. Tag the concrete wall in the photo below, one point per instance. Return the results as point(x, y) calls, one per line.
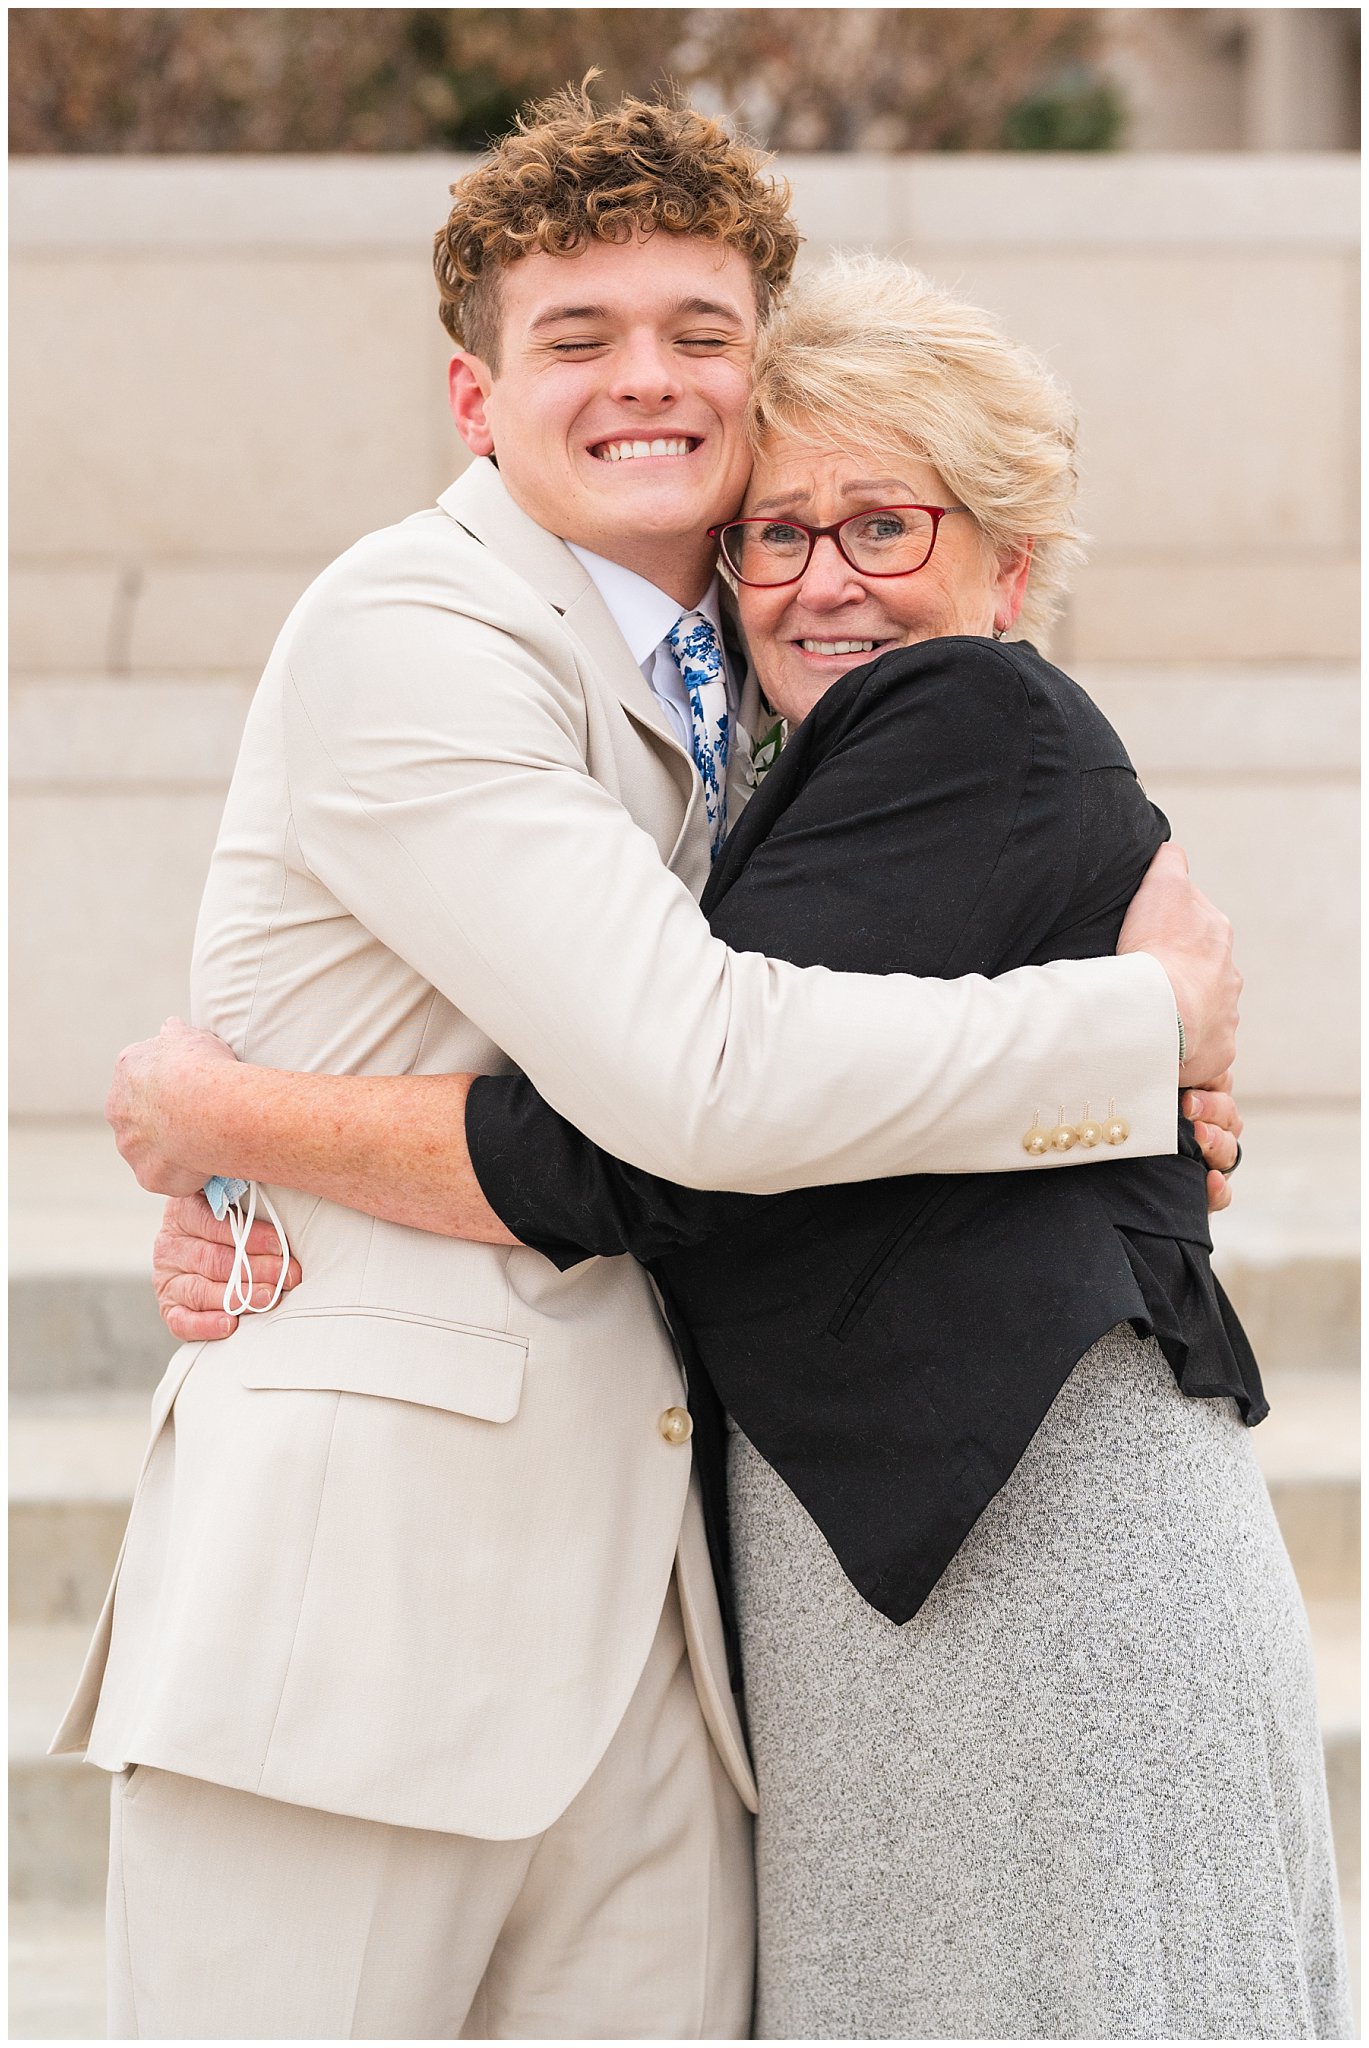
point(224, 371)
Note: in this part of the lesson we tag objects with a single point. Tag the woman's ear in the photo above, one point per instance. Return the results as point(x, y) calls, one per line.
point(1010, 585)
point(468, 389)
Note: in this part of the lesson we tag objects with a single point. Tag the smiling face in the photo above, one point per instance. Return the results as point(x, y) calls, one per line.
point(804, 635)
point(616, 410)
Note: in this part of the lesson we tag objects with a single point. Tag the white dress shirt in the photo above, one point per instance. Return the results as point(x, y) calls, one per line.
point(644, 615)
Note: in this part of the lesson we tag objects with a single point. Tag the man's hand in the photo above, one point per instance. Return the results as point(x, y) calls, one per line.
point(1191, 939)
point(191, 1264)
point(1217, 1125)
point(144, 1101)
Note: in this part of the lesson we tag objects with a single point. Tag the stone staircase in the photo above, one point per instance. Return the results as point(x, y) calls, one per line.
point(87, 1348)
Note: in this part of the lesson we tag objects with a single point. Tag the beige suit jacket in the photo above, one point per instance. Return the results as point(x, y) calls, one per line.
point(399, 1548)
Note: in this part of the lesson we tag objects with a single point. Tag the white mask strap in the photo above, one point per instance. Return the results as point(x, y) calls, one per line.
point(237, 1296)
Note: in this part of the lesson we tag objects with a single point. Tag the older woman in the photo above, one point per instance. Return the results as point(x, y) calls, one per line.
point(1027, 1672)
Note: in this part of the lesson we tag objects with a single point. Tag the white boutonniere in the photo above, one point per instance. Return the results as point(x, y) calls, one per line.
point(767, 749)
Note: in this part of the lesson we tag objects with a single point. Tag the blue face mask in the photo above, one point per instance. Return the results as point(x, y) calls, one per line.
point(224, 1196)
point(221, 1193)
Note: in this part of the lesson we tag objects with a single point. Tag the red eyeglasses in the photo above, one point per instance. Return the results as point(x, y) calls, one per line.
point(888, 540)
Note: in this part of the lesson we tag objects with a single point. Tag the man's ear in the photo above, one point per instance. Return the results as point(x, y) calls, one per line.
point(469, 381)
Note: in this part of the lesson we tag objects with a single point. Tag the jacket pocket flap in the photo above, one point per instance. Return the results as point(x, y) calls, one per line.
point(393, 1356)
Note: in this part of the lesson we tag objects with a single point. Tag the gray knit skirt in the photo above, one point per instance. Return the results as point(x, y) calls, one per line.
point(1081, 1792)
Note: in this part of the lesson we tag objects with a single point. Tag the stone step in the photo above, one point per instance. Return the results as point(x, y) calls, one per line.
point(1299, 1307)
point(1287, 1250)
point(82, 1315)
point(85, 1333)
point(57, 1972)
point(59, 1806)
point(1309, 1451)
point(73, 1465)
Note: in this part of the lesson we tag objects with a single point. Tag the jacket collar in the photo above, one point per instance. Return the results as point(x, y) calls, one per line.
point(480, 502)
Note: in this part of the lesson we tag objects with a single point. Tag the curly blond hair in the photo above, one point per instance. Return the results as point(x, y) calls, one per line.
point(866, 353)
point(568, 174)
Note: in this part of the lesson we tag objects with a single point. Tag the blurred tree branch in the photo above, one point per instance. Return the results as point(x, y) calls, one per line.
point(284, 79)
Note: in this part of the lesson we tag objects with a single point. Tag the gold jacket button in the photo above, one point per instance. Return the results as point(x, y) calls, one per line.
point(676, 1425)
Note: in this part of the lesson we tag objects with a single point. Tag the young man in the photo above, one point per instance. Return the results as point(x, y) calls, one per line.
point(413, 1671)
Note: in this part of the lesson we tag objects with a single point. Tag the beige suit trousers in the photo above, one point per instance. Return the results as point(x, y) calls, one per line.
point(233, 1917)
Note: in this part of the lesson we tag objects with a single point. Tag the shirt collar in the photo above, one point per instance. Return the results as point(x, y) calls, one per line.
point(642, 613)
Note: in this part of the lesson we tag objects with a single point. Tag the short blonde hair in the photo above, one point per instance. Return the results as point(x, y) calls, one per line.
point(568, 174)
point(866, 353)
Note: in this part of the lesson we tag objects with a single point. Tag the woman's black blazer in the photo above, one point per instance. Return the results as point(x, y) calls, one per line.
point(957, 807)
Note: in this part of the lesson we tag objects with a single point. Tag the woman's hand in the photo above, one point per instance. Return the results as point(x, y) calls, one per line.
point(147, 1101)
point(1217, 1125)
point(192, 1262)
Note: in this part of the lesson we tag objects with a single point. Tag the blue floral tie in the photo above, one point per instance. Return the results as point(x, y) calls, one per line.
point(695, 646)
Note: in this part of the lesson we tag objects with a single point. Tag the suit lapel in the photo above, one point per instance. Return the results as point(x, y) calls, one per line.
point(480, 502)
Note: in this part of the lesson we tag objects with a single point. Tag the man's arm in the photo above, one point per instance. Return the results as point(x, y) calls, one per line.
point(182, 1107)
